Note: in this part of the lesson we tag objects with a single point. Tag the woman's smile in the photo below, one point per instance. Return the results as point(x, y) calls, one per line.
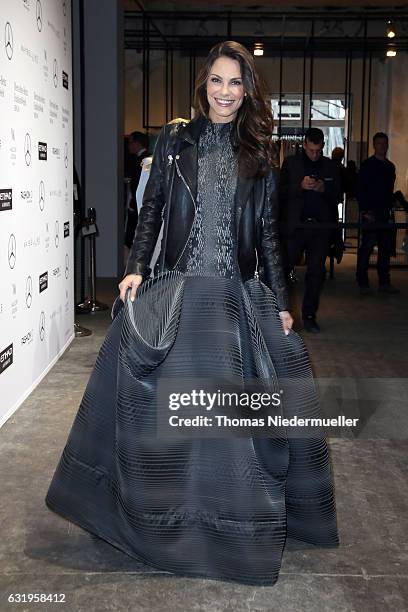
point(222, 102)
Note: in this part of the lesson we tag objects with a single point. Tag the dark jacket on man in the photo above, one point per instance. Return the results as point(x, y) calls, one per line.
point(256, 200)
point(292, 196)
point(376, 187)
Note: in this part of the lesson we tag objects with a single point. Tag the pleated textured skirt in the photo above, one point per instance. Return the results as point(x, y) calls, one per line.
point(217, 508)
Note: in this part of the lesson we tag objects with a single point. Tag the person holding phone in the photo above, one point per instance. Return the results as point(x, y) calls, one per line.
point(309, 192)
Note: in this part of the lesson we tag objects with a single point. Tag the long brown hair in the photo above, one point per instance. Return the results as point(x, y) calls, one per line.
point(252, 130)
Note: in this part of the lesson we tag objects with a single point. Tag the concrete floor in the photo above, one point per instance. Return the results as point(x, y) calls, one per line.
point(361, 338)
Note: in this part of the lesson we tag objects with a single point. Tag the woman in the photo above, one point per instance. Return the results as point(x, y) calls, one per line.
point(203, 504)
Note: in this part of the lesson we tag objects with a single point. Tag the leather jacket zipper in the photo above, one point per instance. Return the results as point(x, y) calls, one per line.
point(195, 209)
point(256, 273)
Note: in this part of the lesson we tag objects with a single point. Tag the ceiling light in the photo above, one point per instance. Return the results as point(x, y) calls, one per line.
point(259, 33)
point(258, 49)
point(390, 31)
point(391, 52)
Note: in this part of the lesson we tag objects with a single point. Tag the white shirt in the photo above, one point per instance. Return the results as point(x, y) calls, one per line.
point(144, 175)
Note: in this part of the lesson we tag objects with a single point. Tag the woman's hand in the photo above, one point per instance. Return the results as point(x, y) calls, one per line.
point(133, 281)
point(287, 321)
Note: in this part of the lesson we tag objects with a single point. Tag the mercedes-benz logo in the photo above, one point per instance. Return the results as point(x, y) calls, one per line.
point(8, 40)
point(39, 15)
point(29, 291)
point(66, 265)
point(55, 73)
point(41, 326)
point(41, 195)
point(27, 149)
point(66, 155)
point(56, 238)
point(12, 251)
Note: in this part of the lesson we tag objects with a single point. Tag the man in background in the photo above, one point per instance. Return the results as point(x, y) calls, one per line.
point(337, 156)
point(138, 145)
point(375, 198)
point(310, 192)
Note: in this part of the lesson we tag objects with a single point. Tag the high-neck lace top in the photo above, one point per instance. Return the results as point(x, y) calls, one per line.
point(211, 247)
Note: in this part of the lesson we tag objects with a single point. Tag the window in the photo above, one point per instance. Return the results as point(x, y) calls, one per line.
point(328, 110)
point(328, 113)
point(291, 109)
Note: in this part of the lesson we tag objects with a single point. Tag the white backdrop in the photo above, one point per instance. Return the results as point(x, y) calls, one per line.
point(36, 233)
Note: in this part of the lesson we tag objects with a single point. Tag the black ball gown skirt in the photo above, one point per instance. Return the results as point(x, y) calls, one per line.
point(219, 507)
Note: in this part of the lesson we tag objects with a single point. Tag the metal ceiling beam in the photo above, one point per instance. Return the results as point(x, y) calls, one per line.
point(400, 13)
point(146, 15)
point(294, 43)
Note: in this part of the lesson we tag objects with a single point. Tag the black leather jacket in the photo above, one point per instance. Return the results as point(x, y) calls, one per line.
point(257, 208)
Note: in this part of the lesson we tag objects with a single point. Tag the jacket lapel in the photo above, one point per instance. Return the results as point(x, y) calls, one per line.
point(188, 151)
point(244, 186)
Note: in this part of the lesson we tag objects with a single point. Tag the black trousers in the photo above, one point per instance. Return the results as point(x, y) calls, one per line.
point(314, 242)
point(369, 238)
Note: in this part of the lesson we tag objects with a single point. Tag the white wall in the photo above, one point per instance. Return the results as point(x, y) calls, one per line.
point(397, 128)
point(36, 234)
